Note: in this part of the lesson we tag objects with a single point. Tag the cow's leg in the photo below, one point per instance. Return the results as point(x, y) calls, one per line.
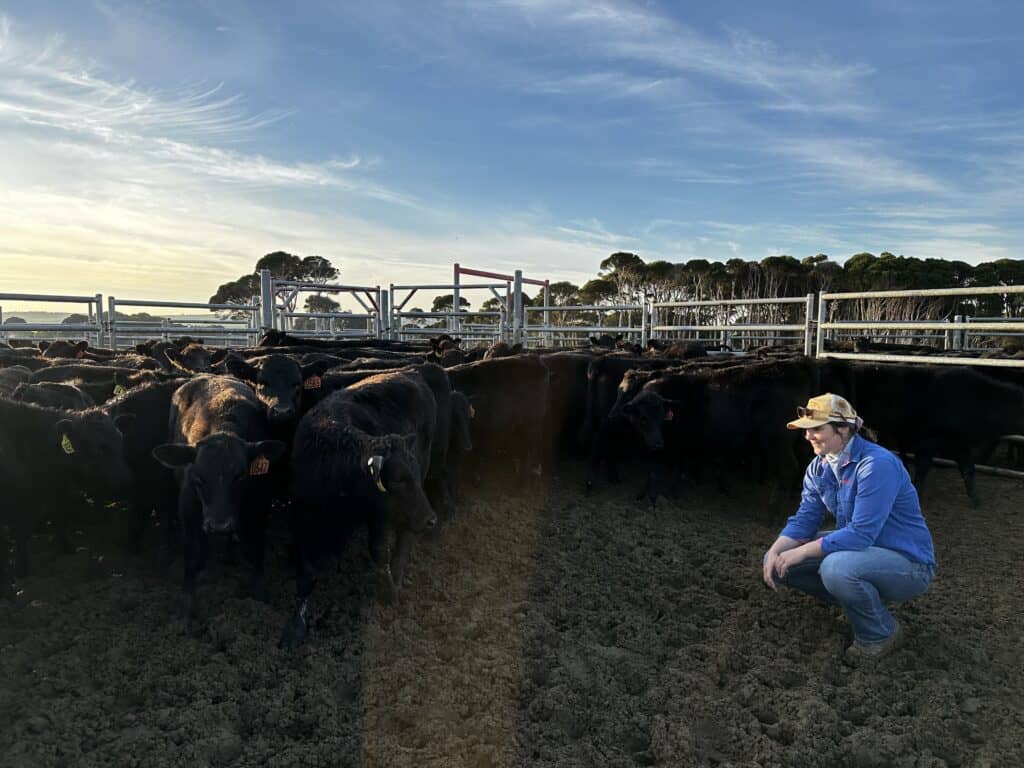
point(400, 556)
point(380, 552)
point(254, 543)
point(596, 453)
point(297, 628)
point(922, 465)
point(194, 550)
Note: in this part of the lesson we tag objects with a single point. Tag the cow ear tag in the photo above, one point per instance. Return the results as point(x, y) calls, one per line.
point(313, 382)
point(65, 443)
point(669, 415)
point(119, 389)
point(374, 464)
point(259, 466)
point(472, 412)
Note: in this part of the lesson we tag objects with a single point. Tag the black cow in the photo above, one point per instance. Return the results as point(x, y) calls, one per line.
point(438, 485)
point(931, 411)
point(11, 377)
point(194, 358)
point(567, 401)
point(66, 397)
point(360, 457)
point(501, 349)
point(47, 459)
point(510, 395)
point(154, 486)
point(280, 384)
point(219, 450)
point(727, 417)
point(63, 349)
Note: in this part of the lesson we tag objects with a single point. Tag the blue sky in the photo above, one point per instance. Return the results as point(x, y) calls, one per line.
point(157, 149)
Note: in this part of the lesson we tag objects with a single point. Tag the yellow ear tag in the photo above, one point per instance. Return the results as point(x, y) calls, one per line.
point(65, 443)
point(119, 389)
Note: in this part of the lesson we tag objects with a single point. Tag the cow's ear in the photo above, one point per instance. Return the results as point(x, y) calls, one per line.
point(240, 369)
point(671, 409)
point(125, 422)
point(42, 346)
point(64, 433)
point(271, 450)
point(319, 368)
point(174, 455)
point(517, 348)
point(81, 346)
point(218, 355)
point(375, 469)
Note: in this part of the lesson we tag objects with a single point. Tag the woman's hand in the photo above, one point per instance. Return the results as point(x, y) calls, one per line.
point(790, 558)
point(770, 561)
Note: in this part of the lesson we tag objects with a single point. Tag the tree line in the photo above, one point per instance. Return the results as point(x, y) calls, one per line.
point(626, 278)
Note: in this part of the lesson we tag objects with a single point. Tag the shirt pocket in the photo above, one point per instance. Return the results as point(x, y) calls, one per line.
point(846, 496)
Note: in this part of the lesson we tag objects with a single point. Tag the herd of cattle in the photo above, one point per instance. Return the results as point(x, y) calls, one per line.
point(382, 434)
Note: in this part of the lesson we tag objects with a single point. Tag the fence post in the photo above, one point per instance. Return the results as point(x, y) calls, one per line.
point(517, 311)
point(822, 314)
point(266, 299)
point(99, 319)
point(383, 315)
point(454, 322)
point(112, 316)
point(547, 314)
point(645, 329)
point(808, 314)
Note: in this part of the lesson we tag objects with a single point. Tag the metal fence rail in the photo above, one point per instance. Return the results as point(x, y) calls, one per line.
point(553, 335)
point(91, 330)
point(455, 323)
point(725, 329)
point(125, 332)
point(954, 332)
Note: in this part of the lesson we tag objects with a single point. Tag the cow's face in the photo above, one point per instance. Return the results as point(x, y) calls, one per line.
point(192, 359)
point(647, 413)
point(92, 447)
point(279, 383)
point(217, 470)
point(391, 465)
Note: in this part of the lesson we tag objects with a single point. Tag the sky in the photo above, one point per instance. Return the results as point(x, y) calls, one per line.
point(154, 150)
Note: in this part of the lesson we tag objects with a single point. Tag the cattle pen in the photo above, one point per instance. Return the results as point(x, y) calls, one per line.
point(582, 599)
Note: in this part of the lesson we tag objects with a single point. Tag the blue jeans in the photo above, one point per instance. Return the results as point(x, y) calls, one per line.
point(862, 583)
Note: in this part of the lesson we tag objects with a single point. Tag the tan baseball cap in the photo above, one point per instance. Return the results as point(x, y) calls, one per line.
point(823, 409)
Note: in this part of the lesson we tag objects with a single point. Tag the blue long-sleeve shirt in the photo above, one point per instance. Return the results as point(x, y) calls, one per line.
point(873, 501)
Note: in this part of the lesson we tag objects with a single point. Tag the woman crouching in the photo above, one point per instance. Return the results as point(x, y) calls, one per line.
point(880, 551)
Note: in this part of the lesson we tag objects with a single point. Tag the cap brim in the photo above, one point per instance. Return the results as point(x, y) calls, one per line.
point(806, 423)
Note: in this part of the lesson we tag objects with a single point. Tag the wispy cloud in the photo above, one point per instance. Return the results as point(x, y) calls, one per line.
point(861, 164)
point(48, 95)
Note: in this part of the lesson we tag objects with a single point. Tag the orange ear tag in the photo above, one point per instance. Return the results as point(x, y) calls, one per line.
point(313, 382)
point(259, 466)
point(669, 415)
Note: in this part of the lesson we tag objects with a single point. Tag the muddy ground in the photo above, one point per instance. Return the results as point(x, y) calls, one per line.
point(548, 630)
